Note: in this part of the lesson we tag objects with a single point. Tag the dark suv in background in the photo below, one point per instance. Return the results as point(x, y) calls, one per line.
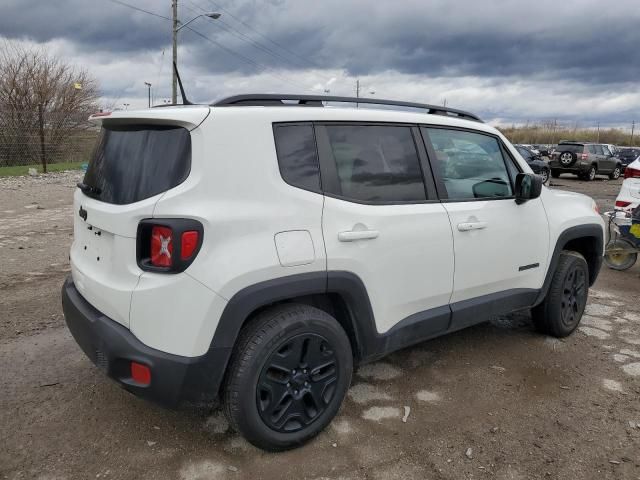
point(585, 160)
point(535, 161)
point(627, 155)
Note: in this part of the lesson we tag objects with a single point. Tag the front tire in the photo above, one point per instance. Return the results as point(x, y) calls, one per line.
point(288, 376)
point(544, 173)
point(560, 312)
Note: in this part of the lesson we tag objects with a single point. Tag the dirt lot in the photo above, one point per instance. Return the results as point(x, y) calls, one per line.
point(494, 401)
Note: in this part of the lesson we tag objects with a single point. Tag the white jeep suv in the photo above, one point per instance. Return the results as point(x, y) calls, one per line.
point(257, 249)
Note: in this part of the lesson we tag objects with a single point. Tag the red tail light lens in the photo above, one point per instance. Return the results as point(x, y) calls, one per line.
point(631, 173)
point(584, 156)
point(168, 245)
point(189, 244)
point(140, 373)
point(621, 204)
point(161, 246)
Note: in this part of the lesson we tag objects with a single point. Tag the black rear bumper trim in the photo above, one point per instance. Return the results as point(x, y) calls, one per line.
point(175, 379)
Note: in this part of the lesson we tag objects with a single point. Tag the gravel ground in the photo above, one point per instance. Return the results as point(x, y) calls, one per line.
point(493, 401)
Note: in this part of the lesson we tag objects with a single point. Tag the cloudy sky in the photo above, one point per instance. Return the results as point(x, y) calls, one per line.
point(510, 61)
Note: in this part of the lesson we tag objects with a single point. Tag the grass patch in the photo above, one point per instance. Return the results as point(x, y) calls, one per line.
point(53, 167)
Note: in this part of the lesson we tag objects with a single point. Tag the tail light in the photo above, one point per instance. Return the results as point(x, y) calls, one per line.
point(584, 156)
point(622, 204)
point(168, 245)
point(161, 246)
point(631, 173)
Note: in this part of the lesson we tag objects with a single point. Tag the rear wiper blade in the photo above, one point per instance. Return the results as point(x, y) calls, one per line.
point(88, 188)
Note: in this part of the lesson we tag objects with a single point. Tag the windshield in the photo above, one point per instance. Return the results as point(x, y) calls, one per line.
point(134, 162)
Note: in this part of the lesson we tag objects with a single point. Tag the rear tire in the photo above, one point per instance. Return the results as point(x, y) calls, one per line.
point(560, 312)
point(616, 173)
point(591, 174)
point(288, 375)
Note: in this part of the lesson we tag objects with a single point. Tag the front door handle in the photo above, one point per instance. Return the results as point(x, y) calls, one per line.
point(353, 235)
point(466, 226)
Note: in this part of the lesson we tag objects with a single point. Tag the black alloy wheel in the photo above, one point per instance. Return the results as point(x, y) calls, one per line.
point(560, 312)
point(574, 296)
point(290, 371)
point(297, 382)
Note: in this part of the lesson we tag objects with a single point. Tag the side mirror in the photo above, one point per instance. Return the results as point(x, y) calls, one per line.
point(528, 187)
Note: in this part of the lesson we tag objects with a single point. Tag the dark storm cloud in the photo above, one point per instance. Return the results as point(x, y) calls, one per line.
point(559, 40)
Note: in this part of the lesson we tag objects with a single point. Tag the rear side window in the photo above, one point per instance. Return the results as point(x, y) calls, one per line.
point(599, 150)
point(470, 165)
point(376, 163)
point(591, 148)
point(297, 156)
point(134, 162)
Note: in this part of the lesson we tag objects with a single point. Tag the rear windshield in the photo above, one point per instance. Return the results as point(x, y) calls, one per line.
point(570, 147)
point(134, 162)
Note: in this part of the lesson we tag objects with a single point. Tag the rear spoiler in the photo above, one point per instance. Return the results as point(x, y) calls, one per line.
point(185, 116)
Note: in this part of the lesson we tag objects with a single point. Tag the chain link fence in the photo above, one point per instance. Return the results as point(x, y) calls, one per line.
point(42, 137)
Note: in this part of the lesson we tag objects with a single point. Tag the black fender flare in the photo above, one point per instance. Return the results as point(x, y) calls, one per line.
point(574, 233)
point(347, 285)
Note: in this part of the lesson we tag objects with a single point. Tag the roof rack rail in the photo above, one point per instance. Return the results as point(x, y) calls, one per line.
point(272, 100)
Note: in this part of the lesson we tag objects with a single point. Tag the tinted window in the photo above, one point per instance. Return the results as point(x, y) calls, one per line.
point(526, 154)
point(297, 156)
point(599, 150)
point(606, 150)
point(376, 163)
point(570, 147)
point(470, 165)
point(134, 162)
point(591, 148)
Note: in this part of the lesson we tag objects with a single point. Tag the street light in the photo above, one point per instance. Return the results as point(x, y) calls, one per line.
point(149, 92)
point(176, 29)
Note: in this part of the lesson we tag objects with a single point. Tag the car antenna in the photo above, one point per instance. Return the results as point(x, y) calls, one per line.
point(185, 101)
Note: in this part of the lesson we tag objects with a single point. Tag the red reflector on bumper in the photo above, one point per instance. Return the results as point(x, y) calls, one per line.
point(140, 373)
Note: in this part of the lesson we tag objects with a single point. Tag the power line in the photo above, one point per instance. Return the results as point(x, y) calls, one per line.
point(305, 60)
point(245, 38)
point(226, 49)
point(247, 59)
point(139, 9)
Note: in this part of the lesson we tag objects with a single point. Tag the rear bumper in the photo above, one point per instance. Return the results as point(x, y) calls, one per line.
point(575, 168)
point(175, 380)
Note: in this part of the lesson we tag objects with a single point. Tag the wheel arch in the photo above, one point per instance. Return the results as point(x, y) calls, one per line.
point(340, 294)
point(588, 240)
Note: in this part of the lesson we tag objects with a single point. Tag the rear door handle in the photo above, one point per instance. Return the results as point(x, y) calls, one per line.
point(353, 235)
point(466, 226)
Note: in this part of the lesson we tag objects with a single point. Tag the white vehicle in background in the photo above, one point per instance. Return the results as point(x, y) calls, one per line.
point(629, 196)
point(532, 148)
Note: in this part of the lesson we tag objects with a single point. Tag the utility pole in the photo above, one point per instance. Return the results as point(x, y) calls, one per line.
point(174, 83)
point(445, 103)
point(633, 126)
point(357, 90)
point(43, 155)
point(598, 132)
point(149, 92)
